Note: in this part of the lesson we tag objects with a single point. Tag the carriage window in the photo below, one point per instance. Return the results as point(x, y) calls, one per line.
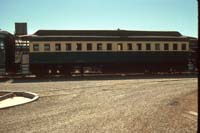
point(35, 47)
point(175, 46)
point(78, 46)
point(166, 46)
point(1, 45)
point(119, 46)
point(89, 46)
point(148, 46)
point(157, 46)
point(68, 46)
point(58, 46)
point(183, 46)
point(139, 46)
point(129, 45)
point(46, 47)
point(109, 46)
point(99, 46)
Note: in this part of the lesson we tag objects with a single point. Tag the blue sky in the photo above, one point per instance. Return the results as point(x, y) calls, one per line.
point(169, 15)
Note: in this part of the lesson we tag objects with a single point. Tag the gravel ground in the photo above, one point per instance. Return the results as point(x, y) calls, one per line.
point(117, 105)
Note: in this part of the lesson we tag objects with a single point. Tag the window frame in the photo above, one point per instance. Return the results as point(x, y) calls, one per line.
point(109, 46)
point(185, 46)
point(139, 46)
point(129, 46)
point(119, 46)
point(99, 48)
point(34, 47)
point(68, 46)
point(157, 46)
point(45, 47)
point(59, 48)
point(175, 48)
point(78, 46)
point(148, 48)
point(89, 46)
point(166, 46)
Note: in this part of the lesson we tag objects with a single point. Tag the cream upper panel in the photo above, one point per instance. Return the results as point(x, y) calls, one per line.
point(104, 45)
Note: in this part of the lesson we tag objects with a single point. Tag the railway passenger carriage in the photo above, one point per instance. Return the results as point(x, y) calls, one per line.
point(7, 53)
point(108, 51)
